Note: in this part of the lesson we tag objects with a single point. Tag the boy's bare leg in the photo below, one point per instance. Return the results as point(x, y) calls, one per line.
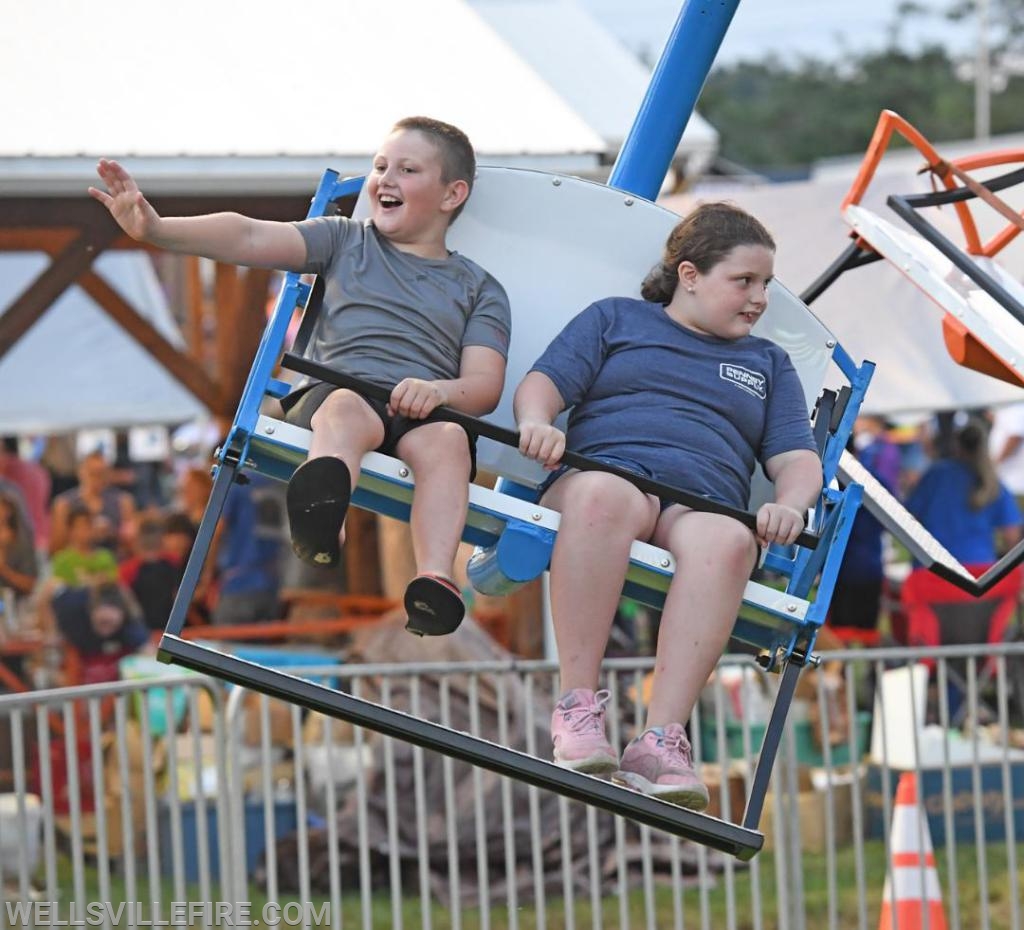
point(438, 454)
point(346, 427)
point(714, 557)
point(601, 517)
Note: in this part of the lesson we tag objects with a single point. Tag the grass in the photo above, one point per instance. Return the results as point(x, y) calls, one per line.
point(711, 905)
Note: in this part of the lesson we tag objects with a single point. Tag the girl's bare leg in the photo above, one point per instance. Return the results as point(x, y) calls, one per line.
point(601, 517)
point(714, 558)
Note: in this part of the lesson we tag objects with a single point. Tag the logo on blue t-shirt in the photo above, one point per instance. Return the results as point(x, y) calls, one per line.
point(753, 382)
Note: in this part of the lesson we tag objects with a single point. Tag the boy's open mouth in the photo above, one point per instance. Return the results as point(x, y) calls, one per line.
point(388, 202)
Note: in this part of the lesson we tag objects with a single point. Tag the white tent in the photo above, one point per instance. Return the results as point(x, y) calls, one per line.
point(602, 80)
point(76, 368)
point(875, 311)
point(262, 89)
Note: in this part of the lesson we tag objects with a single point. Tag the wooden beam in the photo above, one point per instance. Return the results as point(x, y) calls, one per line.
point(178, 364)
point(250, 322)
point(194, 308)
point(226, 290)
point(362, 562)
point(37, 298)
point(23, 239)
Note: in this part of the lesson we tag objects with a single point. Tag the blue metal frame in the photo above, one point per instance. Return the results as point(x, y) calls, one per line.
point(672, 94)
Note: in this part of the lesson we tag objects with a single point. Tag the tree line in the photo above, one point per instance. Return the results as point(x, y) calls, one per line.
point(777, 117)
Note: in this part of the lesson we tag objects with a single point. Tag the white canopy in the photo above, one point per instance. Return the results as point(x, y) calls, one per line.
point(589, 68)
point(76, 368)
point(321, 79)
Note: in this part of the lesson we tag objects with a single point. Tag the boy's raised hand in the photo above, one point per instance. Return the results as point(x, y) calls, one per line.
point(541, 441)
point(124, 200)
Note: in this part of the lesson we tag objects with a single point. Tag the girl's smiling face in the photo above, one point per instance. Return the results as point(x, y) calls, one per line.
point(727, 300)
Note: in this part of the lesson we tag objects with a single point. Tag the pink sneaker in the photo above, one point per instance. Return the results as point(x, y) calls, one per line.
point(659, 762)
point(577, 732)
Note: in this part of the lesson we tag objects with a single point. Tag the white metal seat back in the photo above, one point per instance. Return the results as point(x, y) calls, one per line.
point(557, 244)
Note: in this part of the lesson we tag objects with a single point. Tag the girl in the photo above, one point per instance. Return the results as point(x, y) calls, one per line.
point(673, 387)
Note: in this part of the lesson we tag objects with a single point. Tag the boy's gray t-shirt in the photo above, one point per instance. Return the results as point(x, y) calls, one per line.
point(692, 411)
point(389, 315)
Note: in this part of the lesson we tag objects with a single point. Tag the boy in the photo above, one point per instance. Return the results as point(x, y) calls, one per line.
point(399, 309)
point(152, 574)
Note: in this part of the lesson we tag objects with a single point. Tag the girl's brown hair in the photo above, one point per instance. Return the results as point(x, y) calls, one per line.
point(703, 238)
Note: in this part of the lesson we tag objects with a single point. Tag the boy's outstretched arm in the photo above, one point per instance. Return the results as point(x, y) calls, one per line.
point(224, 237)
point(475, 391)
point(537, 402)
point(797, 479)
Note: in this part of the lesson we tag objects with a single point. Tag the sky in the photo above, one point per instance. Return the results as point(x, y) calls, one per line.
point(781, 26)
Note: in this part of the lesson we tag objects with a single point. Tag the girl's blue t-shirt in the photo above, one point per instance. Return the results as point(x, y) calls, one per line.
point(690, 410)
point(941, 501)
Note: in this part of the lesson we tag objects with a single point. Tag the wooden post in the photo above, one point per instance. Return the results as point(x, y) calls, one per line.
point(397, 563)
point(363, 574)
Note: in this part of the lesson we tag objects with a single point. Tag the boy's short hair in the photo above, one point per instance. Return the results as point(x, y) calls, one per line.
point(458, 160)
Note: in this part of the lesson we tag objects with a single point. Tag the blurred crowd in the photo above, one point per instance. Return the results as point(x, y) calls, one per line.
point(93, 546)
point(960, 474)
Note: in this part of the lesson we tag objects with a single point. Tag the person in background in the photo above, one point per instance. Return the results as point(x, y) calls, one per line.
point(18, 566)
point(246, 554)
point(152, 574)
point(34, 483)
point(179, 535)
point(857, 598)
point(1006, 446)
point(81, 561)
point(101, 622)
point(962, 503)
point(58, 458)
point(113, 509)
point(194, 488)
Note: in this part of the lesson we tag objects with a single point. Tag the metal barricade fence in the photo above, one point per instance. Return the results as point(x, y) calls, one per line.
point(181, 789)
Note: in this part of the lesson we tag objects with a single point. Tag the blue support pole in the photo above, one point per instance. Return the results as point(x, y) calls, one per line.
point(671, 96)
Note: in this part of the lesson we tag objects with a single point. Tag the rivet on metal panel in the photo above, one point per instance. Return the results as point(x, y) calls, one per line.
point(628, 201)
point(830, 343)
point(536, 515)
point(556, 182)
point(665, 563)
point(791, 608)
point(269, 431)
point(403, 472)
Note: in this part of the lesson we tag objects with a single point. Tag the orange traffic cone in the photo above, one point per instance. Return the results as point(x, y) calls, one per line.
point(916, 903)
